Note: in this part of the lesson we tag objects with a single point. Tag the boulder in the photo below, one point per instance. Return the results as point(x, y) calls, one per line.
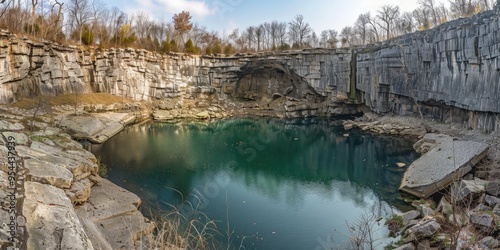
point(111, 217)
point(488, 242)
point(425, 210)
point(79, 191)
point(48, 173)
point(203, 115)
point(491, 200)
point(96, 127)
point(80, 164)
point(51, 221)
point(445, 163)
point(496, 209)
point(468, 189)
point(425, 228)
point(408, 246)
point(410, 215)
point(493, 188)
point(162, 115)
point(482, 221)
point(445, 207)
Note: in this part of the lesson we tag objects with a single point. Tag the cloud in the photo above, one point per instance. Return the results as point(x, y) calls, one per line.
point(195, 7)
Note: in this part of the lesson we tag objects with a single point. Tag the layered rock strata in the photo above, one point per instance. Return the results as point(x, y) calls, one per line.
point(452, 70)
point(61, 202)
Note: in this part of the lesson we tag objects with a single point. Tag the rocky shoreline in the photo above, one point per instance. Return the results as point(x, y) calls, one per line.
point(61, 184)
point(62, 202)
point(467, 213)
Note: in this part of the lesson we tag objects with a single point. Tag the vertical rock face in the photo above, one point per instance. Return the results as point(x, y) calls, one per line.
point(453, 70)
point(30, 68)
point(456, 64)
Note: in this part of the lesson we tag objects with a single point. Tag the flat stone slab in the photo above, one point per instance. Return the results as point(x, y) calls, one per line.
point(48, 173)
point(445, 163)
point(80, 167)
point(97, 127)
point(5, 125)
point(21, 139)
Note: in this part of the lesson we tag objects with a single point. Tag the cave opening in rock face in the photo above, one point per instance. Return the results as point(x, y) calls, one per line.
point(270, 79)
point(290, 184)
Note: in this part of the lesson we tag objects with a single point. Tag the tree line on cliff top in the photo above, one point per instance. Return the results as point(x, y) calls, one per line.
point(91, 22)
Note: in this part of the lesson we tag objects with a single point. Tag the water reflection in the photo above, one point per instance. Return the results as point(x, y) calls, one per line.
point(273, 170)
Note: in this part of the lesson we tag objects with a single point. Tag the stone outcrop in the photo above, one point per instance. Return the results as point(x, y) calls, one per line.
point(62, 203)
point(446, 162)
point(451, 70)
point(96, 127)
point(32, 68)
point(51, 220)
point(113, 212)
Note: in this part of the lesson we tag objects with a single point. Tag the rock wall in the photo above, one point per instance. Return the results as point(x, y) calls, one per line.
point(30, 68)
point(452, 70)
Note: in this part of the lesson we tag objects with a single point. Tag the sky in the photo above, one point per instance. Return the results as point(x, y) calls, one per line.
point(225, 15)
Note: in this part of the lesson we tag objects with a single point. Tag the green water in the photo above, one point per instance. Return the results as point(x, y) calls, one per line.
point(290, 184)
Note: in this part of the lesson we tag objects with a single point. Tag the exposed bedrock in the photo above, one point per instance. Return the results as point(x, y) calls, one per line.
point(453, 70)
point(271, 79)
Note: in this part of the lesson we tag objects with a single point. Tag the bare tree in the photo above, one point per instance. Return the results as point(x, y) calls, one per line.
point(406, 23)
point(79, 13)
point(333, 39)
point(387, 15)
point(267, 36)
point(462, 8)
point(347, 36)
point(362, 26)
point(273, 32)
point(421, 17)
point(299, 31)
point(314, 40)
point(259, 35)
point(42, 104)
point(281, 32)
point(250, 36)
point(432, 7)
point(33, 17)
point(373, 23)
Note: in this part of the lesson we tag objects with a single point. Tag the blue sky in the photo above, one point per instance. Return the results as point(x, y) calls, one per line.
point(220, 15)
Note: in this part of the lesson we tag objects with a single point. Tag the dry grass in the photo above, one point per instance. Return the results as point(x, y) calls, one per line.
point(177, 230)
point(69, 99)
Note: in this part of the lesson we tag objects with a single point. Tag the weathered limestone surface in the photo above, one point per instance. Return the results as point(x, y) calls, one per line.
point(111, 218)
point(51, 221)
point(56, 186)
point(455, 64)
point(96, 127)
point(452, 69)
point(445, 163)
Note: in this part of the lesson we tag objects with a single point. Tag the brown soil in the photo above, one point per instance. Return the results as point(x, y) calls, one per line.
point(70, 99)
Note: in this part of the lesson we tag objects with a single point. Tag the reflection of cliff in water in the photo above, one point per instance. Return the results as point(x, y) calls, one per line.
point(269, 153)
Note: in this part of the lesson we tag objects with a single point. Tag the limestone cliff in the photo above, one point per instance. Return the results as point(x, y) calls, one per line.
point(452, 70)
